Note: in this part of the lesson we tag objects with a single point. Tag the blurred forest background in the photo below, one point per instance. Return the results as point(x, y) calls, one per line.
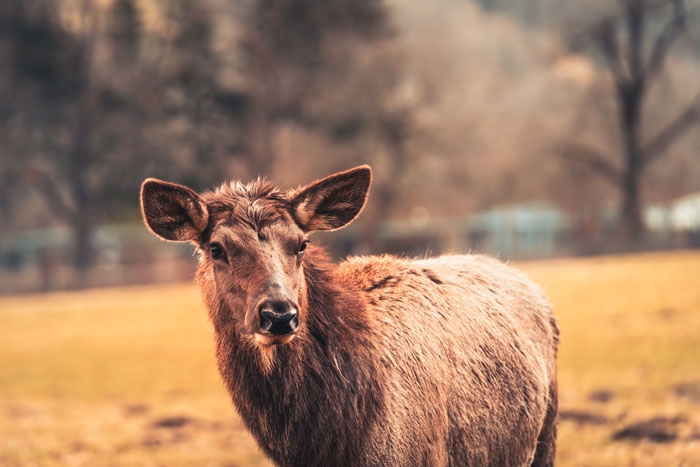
point(521, 128)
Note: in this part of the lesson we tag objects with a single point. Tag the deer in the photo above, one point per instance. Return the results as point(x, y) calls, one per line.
point(376, 360)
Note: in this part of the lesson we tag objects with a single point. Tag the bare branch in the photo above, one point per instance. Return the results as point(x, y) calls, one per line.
point(634, 17)
point(605, 39)
point(45, 185)
point(593, 159)
point(668, 35)
point(672, 132)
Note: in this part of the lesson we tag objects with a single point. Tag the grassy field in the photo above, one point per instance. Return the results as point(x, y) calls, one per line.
point(127, 376)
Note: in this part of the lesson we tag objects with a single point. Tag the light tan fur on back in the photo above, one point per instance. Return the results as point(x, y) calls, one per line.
point(455, 329)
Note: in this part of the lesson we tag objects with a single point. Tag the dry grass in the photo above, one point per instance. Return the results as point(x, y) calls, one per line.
point(630, 344)
point(114, 377)
point(127, 376)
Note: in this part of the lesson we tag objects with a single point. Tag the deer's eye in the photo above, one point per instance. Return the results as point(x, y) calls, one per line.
point(217, 251)
point(302, 247)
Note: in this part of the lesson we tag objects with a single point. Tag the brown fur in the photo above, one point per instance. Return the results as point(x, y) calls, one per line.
point(443, 361)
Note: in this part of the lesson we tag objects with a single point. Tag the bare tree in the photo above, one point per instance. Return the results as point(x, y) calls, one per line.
point(69, 114)
point(53, 65)
point(287, 47)
point(635, 58)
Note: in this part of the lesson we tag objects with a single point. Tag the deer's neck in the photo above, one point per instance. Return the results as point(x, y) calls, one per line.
point(336, 310)
point(322, 382)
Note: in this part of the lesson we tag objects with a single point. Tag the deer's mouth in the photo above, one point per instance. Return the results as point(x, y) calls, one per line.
point(270, 339)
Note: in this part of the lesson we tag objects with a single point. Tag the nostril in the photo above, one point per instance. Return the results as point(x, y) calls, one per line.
point(265, 321)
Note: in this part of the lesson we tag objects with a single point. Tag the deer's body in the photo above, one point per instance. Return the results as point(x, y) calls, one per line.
point(376, 361)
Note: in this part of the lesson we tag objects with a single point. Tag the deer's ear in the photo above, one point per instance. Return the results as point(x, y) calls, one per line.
point(333, 202)
point(173, 212)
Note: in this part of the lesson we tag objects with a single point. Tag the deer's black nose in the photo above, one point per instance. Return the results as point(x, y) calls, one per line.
point(278, 317)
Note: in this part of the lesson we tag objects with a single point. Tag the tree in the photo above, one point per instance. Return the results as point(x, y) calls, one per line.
point(69, 115)
point(635, 58)
point(51, 75)
point(288, 47)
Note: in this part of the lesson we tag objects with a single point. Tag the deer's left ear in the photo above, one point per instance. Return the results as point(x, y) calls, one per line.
point(333, 202)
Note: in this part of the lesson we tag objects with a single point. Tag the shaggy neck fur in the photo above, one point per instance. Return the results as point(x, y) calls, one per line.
point(288, 401)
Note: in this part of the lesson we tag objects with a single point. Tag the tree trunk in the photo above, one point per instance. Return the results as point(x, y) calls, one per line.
point(631, 227)
point(82, 221)
point(82, 249)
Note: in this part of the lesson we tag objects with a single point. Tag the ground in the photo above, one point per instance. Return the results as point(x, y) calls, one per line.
point(127, 376)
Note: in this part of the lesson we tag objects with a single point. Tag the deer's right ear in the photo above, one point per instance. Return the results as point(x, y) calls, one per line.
point(173, 212)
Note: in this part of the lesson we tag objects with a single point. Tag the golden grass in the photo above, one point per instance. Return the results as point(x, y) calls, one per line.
point(114, 377)
point(630, 327)
point(127, 376)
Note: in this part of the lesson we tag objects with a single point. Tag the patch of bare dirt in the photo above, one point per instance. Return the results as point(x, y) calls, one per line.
point(601, 395)
point(172, 422)
point(657, 430)
point(582, 418)
point(689, 390)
